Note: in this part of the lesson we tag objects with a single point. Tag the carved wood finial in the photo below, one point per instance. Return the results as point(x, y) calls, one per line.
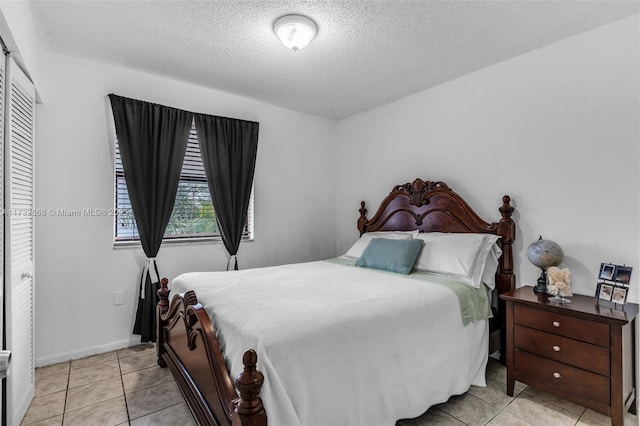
point(163, 294)
point(417, 190)
point(506, 208)
point(362, 220)
point(506, 226)
point(249, 410)
point(363, 210)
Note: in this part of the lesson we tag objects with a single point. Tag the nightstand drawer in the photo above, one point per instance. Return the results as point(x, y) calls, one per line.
point(563, 377)
point(569, 351)
point(564, 325)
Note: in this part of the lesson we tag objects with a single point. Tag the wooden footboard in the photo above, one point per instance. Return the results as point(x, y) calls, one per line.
point(188, 345)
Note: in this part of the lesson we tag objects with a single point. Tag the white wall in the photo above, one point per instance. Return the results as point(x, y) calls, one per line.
point(557, 129)
point(77, 267)
point(18, 32)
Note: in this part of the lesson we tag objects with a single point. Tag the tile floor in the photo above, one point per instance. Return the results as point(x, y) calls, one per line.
point(126, 387)
point(528, 407)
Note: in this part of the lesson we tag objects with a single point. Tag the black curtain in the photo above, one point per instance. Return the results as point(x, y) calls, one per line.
point(229, 147)
point(153, 140)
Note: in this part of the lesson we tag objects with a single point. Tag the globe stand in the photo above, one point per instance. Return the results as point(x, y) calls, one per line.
point(543, 254)
point(541, 287)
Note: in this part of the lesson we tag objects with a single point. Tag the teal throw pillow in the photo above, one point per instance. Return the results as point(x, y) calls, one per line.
point(390, 255)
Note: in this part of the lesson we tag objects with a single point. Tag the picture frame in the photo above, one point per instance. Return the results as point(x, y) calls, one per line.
point(622, 274)
point(607, 271)
point(613, 283)
point(619, 295)
point(604, 291)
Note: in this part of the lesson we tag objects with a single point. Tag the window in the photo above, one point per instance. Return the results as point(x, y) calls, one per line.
point(193, 216)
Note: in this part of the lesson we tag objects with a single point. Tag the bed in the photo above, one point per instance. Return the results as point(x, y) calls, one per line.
point(342, 344)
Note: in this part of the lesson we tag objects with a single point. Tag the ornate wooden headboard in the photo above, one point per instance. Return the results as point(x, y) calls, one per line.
point(430, 206)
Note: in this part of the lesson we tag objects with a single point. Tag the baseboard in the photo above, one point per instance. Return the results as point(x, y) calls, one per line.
point(19, 412)
point(84, 352)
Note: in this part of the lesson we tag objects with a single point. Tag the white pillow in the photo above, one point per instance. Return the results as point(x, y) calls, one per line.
point(358, 247)
point(491, 267)
point(463, 256)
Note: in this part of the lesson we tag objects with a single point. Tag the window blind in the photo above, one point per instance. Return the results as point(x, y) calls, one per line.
point(193, 216)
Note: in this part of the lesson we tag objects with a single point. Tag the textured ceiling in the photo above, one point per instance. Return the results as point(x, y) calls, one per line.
point(366, 53)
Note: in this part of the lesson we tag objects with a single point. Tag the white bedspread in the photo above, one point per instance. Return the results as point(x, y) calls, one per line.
point(341, 345)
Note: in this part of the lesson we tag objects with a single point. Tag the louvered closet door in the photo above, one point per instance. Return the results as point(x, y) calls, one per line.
point(2, 291)
point(18, 259)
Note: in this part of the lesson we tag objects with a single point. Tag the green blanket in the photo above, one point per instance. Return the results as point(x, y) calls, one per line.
point(474, 302)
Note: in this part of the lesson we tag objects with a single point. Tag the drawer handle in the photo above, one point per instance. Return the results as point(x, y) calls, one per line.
point(557, 375)
point(556, 348)
point(556, 324)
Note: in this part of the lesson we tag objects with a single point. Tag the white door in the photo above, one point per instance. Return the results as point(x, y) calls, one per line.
point(2, 111)
point(18, 242)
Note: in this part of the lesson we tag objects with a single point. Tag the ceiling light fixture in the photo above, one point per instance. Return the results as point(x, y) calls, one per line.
point(295, 31)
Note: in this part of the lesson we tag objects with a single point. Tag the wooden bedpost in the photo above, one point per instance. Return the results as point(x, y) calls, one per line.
point(505, 279)
point(163, 307)
point(249, 411)
point(362, 220)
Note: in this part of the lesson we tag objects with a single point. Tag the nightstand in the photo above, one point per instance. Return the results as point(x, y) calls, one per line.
point(581, 351)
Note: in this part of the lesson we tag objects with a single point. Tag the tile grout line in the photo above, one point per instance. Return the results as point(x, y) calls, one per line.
point(537, 398)
point(508, 404)
point(66, 394)
point(124, 393)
